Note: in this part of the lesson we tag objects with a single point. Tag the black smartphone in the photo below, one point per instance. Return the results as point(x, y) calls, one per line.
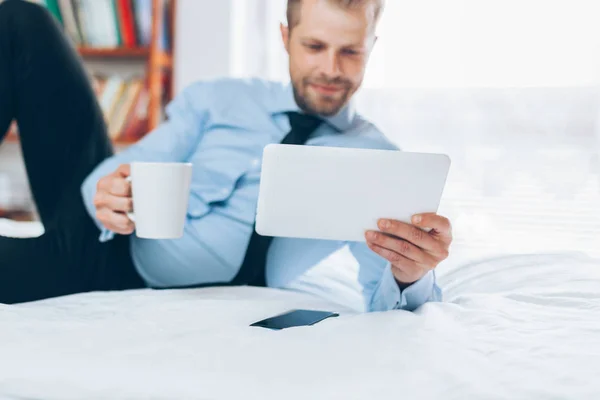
point(294, 318)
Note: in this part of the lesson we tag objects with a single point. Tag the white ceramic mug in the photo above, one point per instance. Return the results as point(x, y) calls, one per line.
point(160, 194)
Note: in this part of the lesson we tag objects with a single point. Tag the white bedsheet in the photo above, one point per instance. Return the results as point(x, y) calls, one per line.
point(524, 327)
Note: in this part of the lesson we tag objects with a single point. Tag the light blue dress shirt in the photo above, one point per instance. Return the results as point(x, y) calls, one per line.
point(221, 127)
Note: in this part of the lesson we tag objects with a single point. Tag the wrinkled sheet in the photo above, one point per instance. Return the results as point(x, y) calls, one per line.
point(515, 327)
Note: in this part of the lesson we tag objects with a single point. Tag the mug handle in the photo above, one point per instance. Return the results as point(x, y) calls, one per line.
point(130, 215)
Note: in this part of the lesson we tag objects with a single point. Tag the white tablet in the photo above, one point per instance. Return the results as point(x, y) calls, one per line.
point(337, 193)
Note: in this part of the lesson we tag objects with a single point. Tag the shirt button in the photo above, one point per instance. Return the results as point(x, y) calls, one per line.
point(224, 192)
point(255, 162)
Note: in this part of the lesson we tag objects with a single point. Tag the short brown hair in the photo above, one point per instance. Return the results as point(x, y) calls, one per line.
point(293, 9)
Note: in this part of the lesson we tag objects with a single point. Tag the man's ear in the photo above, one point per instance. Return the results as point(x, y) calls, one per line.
point(285, 36)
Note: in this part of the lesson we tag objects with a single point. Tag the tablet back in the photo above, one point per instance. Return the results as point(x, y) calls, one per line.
point(338, 193)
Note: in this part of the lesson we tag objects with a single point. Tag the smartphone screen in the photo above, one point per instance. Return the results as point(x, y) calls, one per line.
point(294, 318)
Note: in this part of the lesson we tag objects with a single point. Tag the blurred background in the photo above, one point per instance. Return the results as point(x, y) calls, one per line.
point(510, 89)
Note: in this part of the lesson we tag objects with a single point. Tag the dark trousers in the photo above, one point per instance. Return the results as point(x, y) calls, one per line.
point(44, 87)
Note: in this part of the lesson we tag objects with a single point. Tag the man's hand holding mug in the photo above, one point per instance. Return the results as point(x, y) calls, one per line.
point(150, 198)
point(113, 200)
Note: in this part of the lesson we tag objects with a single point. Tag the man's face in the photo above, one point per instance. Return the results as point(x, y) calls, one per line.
point(328, 52)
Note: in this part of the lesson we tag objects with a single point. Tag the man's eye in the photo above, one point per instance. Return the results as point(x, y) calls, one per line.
point(350, 52)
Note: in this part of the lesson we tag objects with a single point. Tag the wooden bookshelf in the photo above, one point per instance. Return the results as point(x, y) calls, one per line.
point(163, 59)
point(92, 52)
point(159, 66)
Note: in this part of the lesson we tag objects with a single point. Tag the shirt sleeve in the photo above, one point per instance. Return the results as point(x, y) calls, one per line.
point(172, 141)
point(380, 289)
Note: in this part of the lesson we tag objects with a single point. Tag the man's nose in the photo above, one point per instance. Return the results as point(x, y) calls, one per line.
point(331, 65)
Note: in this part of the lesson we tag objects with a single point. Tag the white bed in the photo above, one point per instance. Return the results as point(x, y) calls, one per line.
point(522, 327)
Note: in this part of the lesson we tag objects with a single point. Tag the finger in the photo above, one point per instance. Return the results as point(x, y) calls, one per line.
point(409, 233)
point(114, 203)
point(115, 222)
point(441, 224)
point(117, 186)
point(389, 255)
point(124, 170)
point(402, 247)
point(408, 270)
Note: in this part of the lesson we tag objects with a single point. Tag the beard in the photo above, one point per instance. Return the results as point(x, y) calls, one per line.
point(313, 102)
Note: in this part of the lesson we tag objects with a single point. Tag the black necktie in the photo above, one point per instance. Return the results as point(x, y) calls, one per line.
point(253, 268)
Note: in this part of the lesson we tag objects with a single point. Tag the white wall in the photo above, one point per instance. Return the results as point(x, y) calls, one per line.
point(202, 40)
point(491, 43)
point(14, 189)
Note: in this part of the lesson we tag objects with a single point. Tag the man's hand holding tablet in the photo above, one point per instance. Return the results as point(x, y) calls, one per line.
point(412, 251)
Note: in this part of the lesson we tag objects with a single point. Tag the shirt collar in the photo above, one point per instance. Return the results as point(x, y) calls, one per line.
point(341, 121)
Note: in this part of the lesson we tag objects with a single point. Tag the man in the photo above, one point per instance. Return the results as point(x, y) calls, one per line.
point(221, 127)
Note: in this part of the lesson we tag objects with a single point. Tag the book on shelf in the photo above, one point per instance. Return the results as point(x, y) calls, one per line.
point(110, 23)
point(124, 104)
point(127, 18)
